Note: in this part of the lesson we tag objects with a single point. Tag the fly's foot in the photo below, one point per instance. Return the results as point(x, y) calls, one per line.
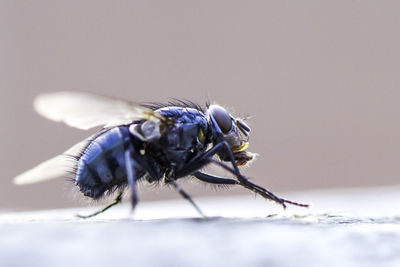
point(269, 195)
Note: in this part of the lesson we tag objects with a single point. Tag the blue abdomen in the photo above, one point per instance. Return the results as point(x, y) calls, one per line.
point(101, 167)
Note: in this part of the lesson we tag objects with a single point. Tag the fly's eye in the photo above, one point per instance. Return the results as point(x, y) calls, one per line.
point(222, 117)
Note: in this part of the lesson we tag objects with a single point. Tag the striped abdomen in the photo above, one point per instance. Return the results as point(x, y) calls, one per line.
point(101, 167)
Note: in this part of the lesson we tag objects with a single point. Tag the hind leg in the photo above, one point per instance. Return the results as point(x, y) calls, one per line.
point(117, 200)
point(131, 177)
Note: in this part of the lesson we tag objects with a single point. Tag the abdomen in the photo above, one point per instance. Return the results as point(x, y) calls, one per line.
point(101, 167)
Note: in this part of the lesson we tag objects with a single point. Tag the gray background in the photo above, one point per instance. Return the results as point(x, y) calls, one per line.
point(320, 81)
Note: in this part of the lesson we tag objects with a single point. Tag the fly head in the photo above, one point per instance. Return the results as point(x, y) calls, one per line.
point(234, 131)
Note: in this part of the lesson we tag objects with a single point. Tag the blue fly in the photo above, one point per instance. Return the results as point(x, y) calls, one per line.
point(152, 142)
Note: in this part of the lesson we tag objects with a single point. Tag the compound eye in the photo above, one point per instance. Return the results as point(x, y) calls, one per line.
point(222, 117)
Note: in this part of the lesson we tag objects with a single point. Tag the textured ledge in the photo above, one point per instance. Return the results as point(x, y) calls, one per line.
point(352, 227)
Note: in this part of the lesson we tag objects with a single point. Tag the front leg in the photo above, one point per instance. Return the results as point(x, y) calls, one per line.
point(206, 158)
point(258, 189)
point(199, 161)
point(208, 178)
point(249, 185)
point(243, 181)
point(226, 181)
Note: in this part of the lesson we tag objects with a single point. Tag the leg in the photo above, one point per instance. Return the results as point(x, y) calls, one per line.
point(258, 189)
point(255, 188)
point(130, 173)
point(131, 177)
point(187, 197)
point(214, 179)
point(117, 200)
point(199, 161)
point(206, 158)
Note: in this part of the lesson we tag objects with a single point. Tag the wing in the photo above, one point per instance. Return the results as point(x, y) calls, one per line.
point(57, 167)
point(85, 110)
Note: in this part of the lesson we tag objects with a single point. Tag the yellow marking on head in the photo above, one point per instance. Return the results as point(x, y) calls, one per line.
point(240, 148)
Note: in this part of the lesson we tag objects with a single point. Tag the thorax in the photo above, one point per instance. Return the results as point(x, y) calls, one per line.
point(183, 140)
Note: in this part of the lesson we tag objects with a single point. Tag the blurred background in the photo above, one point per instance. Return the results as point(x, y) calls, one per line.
point(320, 81)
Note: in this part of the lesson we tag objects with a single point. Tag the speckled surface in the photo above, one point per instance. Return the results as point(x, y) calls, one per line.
point(352, 227)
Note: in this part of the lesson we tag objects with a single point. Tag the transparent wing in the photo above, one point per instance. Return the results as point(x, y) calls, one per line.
point(86, 110)
point(57, 167)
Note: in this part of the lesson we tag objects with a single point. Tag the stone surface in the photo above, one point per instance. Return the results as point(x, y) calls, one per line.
point(351, 227)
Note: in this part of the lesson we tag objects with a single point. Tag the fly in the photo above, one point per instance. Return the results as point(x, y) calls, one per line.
point(151, 142)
